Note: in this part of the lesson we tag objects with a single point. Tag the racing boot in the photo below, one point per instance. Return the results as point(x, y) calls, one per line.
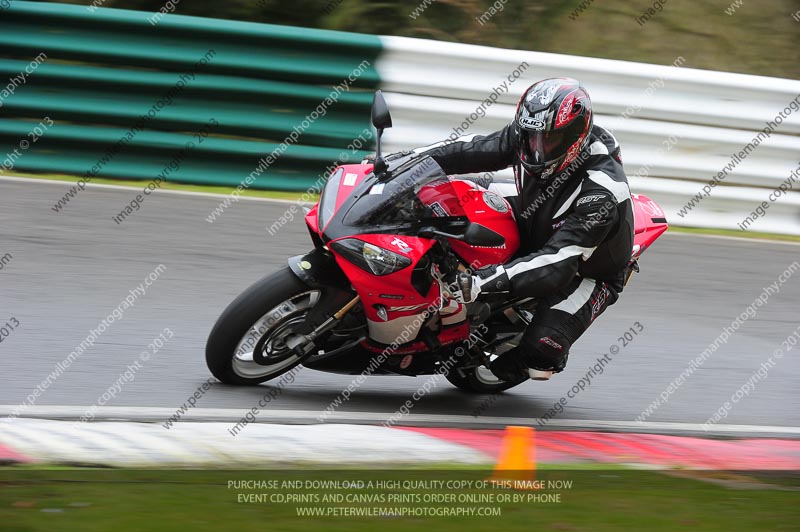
point(537, 356)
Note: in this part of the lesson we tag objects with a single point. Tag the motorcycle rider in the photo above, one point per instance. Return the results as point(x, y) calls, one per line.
point(574, 214)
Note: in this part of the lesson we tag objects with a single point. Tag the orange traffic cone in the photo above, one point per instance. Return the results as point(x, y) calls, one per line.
point(516, 467)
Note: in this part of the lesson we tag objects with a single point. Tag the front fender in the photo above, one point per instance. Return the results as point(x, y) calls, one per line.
point(319, 268)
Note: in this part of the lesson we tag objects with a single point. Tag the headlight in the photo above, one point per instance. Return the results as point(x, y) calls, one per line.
point(369, 257)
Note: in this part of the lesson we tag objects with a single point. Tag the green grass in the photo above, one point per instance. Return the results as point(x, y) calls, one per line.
point(599, 500)
point(273, 194)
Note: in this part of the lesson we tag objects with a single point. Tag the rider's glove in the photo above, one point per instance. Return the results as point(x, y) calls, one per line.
point(465, 288)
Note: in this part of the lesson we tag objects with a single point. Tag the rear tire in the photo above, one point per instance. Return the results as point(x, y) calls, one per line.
point(479, 380)
point(274, 298)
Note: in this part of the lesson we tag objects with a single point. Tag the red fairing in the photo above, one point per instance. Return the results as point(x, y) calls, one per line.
point(465, 198)
point(448, 335)
point(650, 222)
point(352, 176)
point(394, 291)
point(311, 218)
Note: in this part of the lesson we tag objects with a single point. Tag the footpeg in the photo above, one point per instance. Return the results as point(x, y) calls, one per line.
point(539, 375)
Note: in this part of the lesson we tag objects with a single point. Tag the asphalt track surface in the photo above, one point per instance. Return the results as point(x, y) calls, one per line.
point(71, 269)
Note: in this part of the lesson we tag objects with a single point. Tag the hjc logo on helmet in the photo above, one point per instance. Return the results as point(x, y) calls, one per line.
point(531, 123)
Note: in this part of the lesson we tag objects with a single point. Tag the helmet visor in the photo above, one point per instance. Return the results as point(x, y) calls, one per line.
point(545, 146)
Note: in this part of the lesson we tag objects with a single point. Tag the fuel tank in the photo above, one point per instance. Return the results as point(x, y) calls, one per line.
point(464, 198)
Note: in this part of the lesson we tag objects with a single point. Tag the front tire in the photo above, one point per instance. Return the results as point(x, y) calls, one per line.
point(262, 317)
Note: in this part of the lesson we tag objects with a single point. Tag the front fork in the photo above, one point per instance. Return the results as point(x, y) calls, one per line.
point(318, 269)
point(302, 344)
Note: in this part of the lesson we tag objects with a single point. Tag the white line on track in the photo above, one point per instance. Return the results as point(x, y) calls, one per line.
point(160, 414)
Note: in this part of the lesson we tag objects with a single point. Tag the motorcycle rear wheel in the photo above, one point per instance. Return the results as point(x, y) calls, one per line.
point(479, 380)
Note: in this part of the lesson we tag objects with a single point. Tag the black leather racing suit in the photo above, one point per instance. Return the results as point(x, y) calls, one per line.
point(576, 232)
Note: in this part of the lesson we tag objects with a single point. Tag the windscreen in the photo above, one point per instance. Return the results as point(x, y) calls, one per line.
point(327, 204)
point(397, 200)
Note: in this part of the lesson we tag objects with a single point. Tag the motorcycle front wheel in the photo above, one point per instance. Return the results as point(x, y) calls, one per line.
point(260, 321)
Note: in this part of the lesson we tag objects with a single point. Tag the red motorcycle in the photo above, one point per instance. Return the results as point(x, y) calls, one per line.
point(370, 298)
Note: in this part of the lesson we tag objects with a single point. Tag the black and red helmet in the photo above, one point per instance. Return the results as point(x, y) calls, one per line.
point(553, 120)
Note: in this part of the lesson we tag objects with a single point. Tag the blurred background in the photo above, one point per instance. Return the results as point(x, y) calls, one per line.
point(761, 40)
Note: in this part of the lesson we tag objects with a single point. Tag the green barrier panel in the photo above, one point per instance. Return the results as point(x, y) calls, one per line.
point(101, 75)
point(214, 161)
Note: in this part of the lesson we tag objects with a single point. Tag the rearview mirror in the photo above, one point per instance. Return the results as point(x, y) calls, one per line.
point(480, 235)
point(381, 118)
